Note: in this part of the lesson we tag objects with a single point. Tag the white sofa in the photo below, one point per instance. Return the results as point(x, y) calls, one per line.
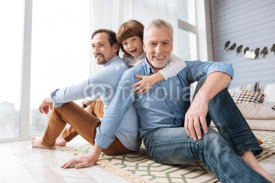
point(259, 116)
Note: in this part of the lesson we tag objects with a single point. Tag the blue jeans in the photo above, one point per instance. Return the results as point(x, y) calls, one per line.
point(220, 153)
point(230, 122)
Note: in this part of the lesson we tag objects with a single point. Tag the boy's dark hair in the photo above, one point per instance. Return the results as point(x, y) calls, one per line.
point(129, 29)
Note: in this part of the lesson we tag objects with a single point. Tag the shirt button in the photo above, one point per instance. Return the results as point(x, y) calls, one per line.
point(166, 93)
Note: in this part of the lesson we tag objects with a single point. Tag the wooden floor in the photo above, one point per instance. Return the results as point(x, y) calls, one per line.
point(19, 162)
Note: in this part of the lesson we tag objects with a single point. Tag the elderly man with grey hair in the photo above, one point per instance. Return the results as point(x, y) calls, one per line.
point(175, 132)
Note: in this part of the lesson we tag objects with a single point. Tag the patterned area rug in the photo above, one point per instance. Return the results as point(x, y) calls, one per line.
point(139, 167)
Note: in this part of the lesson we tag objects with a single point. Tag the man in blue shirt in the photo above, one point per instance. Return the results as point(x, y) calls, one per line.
point(103, 84)
point(166, 107)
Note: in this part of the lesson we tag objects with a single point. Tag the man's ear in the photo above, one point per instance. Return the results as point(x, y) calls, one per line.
point(116, 47)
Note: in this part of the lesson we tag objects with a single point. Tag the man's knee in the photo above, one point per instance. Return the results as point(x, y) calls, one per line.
point(69, 107)
point(68, 104)
point(212, 140)
point(65, 109)
point(212, 134)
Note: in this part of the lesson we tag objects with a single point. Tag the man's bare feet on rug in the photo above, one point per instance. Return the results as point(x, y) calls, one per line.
point(36, 143)
point(251, 161)
point(60, 141)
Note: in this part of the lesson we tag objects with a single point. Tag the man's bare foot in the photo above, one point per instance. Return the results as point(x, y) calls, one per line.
point(60, 141)
point(36, 143)
point(251, 161)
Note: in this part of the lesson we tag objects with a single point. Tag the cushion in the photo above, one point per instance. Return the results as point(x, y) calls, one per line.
point(261, 124)
point(269, 93)
point(259, 141)
point(245, 96)
point(249, 87)
point(257, 111)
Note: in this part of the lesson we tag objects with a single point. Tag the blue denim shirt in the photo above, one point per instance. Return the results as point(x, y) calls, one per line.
point(103, 84)
point(164, 105)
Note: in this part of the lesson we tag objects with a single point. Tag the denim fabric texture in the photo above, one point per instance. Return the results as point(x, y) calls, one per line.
point(219, 152)
point(173, 146)
point(230, 122)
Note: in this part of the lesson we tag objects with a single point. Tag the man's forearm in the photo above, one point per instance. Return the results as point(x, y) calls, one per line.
point(214, 83)
point(48, 99)
point(196, 114)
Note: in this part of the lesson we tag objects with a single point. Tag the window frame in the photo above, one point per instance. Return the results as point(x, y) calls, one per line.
point(25, 77)
point(25, 110)
point(202, 30)
point(190, 28)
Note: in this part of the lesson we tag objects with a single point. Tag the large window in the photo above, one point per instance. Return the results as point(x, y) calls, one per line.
point(187, 30)
point(50, 43)
point(186, 11)
point(60, 51)
point(187, 45)
point(11, 37)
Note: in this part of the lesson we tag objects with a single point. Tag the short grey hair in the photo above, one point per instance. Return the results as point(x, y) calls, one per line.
point(158, 23)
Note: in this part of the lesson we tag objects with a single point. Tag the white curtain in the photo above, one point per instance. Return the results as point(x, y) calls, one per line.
point(110, 14)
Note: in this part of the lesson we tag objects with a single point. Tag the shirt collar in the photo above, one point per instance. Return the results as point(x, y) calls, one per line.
point(148, 68)
point(141, 57)
point(110, 61)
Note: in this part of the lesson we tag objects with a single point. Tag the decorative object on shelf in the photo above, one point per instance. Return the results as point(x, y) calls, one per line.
point(232, 47)
point(273, 49)
point(252, 54)
point(226, 44)
point(246, 49)
point(257, 51)
point(264, 52)
point(239, 49)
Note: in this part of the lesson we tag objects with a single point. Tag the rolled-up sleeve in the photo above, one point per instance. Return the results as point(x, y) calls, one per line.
point(221, 67)
point(102, 140)
point(53, 97)
point(196, 69)
point(93, 87)
point(75, 92)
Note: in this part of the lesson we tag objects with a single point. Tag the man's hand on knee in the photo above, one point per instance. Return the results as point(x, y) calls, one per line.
point(46, 104)
point(195, 117)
